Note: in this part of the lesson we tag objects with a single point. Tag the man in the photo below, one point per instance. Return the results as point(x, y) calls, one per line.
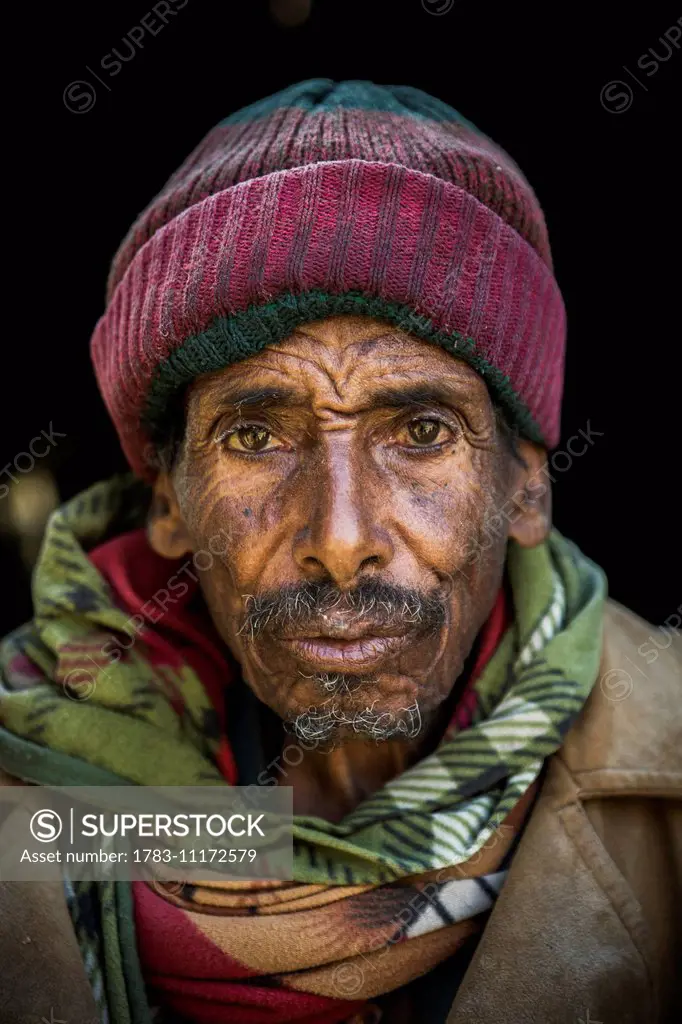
point(333, 348)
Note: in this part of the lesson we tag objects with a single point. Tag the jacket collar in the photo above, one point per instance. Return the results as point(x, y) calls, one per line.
point(568, 940)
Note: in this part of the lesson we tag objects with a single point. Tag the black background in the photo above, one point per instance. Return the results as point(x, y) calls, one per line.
point(530, 77)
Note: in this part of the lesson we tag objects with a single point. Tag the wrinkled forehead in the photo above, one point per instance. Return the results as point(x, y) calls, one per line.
point(350, 356)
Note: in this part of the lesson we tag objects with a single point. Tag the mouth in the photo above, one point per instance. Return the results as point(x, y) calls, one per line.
point(335, 654)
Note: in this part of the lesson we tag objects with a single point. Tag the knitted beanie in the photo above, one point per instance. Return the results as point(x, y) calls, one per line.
point(334, 198)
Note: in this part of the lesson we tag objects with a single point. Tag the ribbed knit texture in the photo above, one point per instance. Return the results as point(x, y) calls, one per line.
point(332, 198)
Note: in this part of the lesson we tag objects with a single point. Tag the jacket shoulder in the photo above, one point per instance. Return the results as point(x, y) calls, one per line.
point(628, 734)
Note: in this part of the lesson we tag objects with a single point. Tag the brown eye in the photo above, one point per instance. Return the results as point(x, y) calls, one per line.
point(254, 439)
point(424, 432)
point(250, 439)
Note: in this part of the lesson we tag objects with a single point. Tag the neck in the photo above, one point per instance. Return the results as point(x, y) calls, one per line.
point(331, 784)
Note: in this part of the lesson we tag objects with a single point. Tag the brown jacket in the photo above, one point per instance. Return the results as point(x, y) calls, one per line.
point(588, 927)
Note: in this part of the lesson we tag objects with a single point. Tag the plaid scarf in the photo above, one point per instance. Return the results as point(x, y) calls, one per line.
point(377, 899)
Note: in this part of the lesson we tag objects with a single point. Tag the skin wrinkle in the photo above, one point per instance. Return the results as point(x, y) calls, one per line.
point(348, 528)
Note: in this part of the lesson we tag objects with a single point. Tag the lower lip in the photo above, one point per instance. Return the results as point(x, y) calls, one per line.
point(341, 655)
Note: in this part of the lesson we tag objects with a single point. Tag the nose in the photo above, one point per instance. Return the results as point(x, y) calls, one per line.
point(343, 536)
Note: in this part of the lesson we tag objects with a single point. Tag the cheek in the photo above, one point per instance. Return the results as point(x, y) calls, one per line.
point(446, 516)
point(234, 535)
point(218, 521)
point(447, 526)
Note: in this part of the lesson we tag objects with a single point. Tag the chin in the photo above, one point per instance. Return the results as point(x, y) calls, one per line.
point(326, 729)
point(338, 707)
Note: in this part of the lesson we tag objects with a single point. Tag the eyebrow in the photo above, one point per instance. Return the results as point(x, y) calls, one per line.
point(262, 398)
point(381, 398)
point(417, 395)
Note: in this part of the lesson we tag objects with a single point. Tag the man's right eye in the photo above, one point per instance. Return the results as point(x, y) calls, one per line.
point(250, 439)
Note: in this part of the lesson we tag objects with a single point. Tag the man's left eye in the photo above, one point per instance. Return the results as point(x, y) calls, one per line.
point(425, 432)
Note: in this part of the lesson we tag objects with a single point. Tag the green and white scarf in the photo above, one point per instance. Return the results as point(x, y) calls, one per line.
point(438, 813)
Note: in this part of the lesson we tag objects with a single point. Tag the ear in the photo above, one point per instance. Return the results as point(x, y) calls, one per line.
point(166, 531)
point(531, 520)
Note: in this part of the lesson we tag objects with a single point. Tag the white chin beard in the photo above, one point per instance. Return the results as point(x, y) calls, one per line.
point(319, 727)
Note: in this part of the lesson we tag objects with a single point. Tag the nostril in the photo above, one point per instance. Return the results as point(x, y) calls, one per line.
point(310, 562)
point(372, 560)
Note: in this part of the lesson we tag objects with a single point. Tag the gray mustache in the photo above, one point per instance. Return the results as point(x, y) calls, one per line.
point(374, 602)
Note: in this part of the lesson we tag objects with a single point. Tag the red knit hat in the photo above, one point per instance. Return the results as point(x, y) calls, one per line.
point(332, 198)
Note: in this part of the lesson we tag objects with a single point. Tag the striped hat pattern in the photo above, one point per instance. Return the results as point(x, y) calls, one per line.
point(331, 198)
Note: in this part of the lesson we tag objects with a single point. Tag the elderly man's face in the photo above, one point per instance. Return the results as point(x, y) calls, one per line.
point(355, 470)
